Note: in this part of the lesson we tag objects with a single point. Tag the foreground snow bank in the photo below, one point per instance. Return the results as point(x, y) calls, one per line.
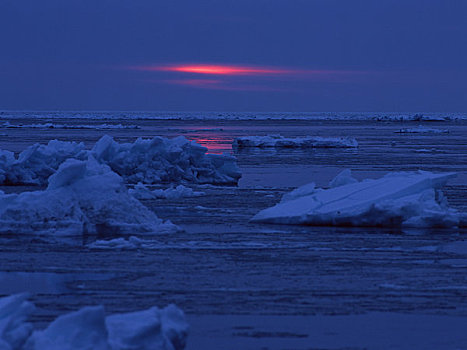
point(158, 160)
point(82, 197)
point(398, 199)
point(90, 329)
point(299, 142)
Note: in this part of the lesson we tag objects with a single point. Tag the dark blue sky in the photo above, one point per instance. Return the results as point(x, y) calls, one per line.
point(340, 55)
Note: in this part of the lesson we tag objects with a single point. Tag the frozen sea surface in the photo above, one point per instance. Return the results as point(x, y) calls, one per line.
point(252, 286)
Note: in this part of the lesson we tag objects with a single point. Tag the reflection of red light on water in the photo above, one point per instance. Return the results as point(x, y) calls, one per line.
point(215, 142)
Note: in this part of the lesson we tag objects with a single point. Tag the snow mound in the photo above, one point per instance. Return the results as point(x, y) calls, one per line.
point(36, 163)
point(422, 130)
point(82, 197)
point(410, 199)
point(140, 191)
point(14, 330)
point(166, 160)
point(299, 142)
point(90, 329)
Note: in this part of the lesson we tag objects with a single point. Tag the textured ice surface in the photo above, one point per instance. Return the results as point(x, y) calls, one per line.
point(398, 199)
point(150, 161)
point(82, 197)
point(298, 142)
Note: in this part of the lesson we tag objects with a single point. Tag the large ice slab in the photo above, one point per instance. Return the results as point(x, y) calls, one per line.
point(397, 199)
point(297, 142)
point(157, 160)
point(82, 197)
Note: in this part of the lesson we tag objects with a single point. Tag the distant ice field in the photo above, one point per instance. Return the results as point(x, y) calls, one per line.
point(223, 265)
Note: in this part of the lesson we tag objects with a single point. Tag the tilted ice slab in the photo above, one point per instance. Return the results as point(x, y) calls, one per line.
point(166, 160)
point(298, 142)
point(398, 199)
point(90, 329)
point(82, 197)
point(157, 160)
point(422, 130)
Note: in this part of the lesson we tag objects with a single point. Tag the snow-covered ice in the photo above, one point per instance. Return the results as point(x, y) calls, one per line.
point(150, 161)
point(297, 142)
point(422, 130)
point(140, 191)
point(90, 329)
point(82, 197)
point(411, 199)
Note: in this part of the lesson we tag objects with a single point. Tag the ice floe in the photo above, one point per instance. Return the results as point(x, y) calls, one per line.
point(90, 329)
point(298, 142)
point(157, 160)
point(8, 125)
point(422, 130)
point(140, 191)
point(411, 199)
point(82, 197)
point(127, 115)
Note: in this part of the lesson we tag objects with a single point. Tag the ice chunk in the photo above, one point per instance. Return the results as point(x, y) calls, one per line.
point(397, 199)
point(422, 130)
point(90, 329)
point(37, 162)
point(299, 142)
point(84, 330)
point(82, 197)
point(343, 178)
point(140, 191)
point(166, 160)
point(14, 330)
point(159, 160)
point(150, 329)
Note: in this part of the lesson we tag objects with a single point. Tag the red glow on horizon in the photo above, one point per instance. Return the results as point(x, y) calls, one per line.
point(214, 69)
